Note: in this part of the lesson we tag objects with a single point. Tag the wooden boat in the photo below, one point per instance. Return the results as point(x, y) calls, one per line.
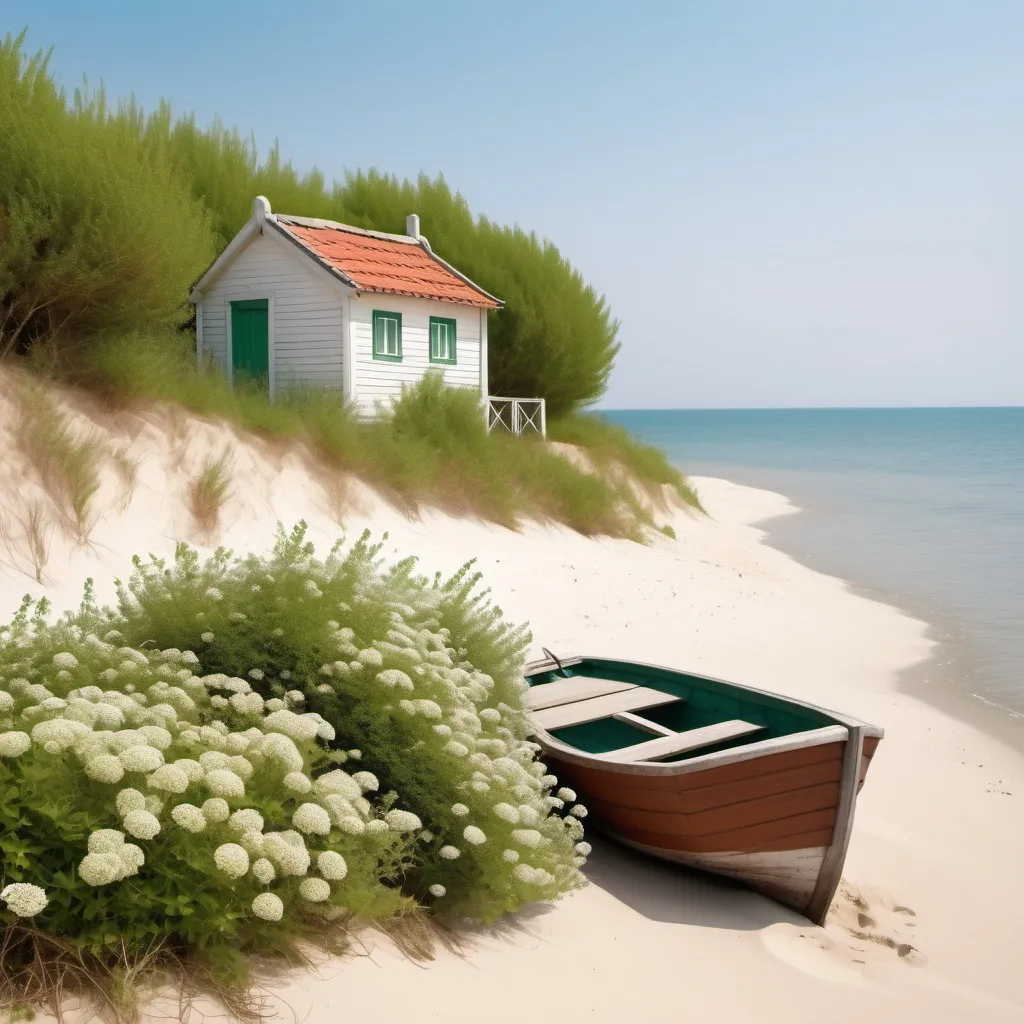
point(707, 773)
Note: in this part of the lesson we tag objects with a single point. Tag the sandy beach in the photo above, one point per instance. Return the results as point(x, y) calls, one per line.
point(926, 926)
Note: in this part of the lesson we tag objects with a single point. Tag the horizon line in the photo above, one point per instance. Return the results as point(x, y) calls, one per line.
point(806, 408)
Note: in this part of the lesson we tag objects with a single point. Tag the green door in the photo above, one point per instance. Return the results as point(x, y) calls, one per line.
point(250, 342)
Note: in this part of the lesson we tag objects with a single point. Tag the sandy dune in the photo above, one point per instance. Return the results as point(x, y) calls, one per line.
point(927, 926)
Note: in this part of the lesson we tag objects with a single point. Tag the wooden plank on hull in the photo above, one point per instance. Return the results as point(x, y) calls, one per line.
point(568, 691)
point(682, 742)
point(579, 713)
point(704, 798)
point(598, 775)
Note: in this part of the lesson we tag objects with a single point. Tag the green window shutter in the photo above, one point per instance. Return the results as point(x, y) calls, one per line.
point(443, 335)
point(250, 341)
point(387, 335)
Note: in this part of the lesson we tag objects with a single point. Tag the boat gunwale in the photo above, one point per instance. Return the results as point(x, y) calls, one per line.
point(837, 733)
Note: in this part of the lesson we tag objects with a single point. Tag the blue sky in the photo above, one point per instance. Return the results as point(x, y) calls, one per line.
point(786, 203)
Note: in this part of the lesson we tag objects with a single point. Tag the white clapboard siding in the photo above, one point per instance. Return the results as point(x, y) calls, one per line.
point(379, 380)
point(307, 329)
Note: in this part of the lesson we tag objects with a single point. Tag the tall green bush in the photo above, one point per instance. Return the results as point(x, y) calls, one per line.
point(97, 230)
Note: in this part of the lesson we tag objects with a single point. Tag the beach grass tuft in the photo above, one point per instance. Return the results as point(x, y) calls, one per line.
point(66, 464)
point(209, 492)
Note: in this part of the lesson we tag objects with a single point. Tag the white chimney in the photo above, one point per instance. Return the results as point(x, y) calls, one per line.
point(260, 211)
point(412, 226)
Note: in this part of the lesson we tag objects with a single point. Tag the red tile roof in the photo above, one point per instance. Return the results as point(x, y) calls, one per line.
point(375, 262)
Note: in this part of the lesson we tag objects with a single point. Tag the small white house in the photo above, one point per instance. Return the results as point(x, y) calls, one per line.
point(293, 300)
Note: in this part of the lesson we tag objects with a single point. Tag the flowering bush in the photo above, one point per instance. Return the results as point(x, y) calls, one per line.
point(244, 749)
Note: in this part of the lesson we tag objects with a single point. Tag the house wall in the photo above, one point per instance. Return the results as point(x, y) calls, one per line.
point(306, 331)
point(379, 380)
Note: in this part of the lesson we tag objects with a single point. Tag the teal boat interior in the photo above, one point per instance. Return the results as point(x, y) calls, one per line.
point(651, 705)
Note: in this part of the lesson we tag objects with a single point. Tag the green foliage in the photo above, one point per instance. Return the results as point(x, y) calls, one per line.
point(250, 680)
point(555, 336)
point(608, 444)
point(107, 216)
point(97, 230)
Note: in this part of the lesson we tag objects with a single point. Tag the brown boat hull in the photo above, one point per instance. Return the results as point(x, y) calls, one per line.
point(778, 822)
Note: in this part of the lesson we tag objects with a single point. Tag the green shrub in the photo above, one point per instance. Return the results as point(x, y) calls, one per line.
point(241, 684)
point(97, 230)
point(555, 338)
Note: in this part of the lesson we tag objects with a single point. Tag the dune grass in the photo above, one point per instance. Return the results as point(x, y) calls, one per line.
point(609, 444)
point(209, 491)
point(431, 449)
point(67, 464)
point(32, 546)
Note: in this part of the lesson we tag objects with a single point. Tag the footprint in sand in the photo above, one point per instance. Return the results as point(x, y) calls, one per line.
point(876, 925)
point(864, 927)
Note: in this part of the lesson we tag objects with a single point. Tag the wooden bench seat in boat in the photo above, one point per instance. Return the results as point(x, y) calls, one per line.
point(580, 712)
point(682, 742)
point(568, 691)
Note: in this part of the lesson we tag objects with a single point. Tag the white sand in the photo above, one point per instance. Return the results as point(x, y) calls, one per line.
point(938, 830)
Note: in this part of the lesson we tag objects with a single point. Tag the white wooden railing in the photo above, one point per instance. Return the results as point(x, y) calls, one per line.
point(517, 415)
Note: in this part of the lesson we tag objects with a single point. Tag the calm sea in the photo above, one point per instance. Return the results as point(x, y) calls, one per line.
point(924, 507)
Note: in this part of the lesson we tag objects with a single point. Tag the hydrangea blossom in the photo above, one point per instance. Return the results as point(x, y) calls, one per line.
point(312, 819)
point(340, 783)
point(100, 869)
point(566, 794)
point(474, 835)
point(189, 817)
point(168, 778)
point(246, 820)
point(510, 856)
point(105, 840)
point(507, 812)
point(268, 907)
point(584, 849)
point(65, 660)
point(24, 899)
point(438, 890)
point(129, 800)
point(579, 811)
point(527, 837)
point(331, 865)
point(263, 871)
point(367, 781)
point(402, 821)
point(449, 853)
point(105, 768)
point(225, 783)
point(315, 890)
point(460, 810)
point(141, 824)
point(292, 859)
point(216, 810)
point(14, 744)
point(141, 758)
point(232, 859)
point(297, 782)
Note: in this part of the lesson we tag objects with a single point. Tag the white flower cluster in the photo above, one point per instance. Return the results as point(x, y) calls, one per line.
point(204, 760)
point(24, 899)
point(188, 771)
